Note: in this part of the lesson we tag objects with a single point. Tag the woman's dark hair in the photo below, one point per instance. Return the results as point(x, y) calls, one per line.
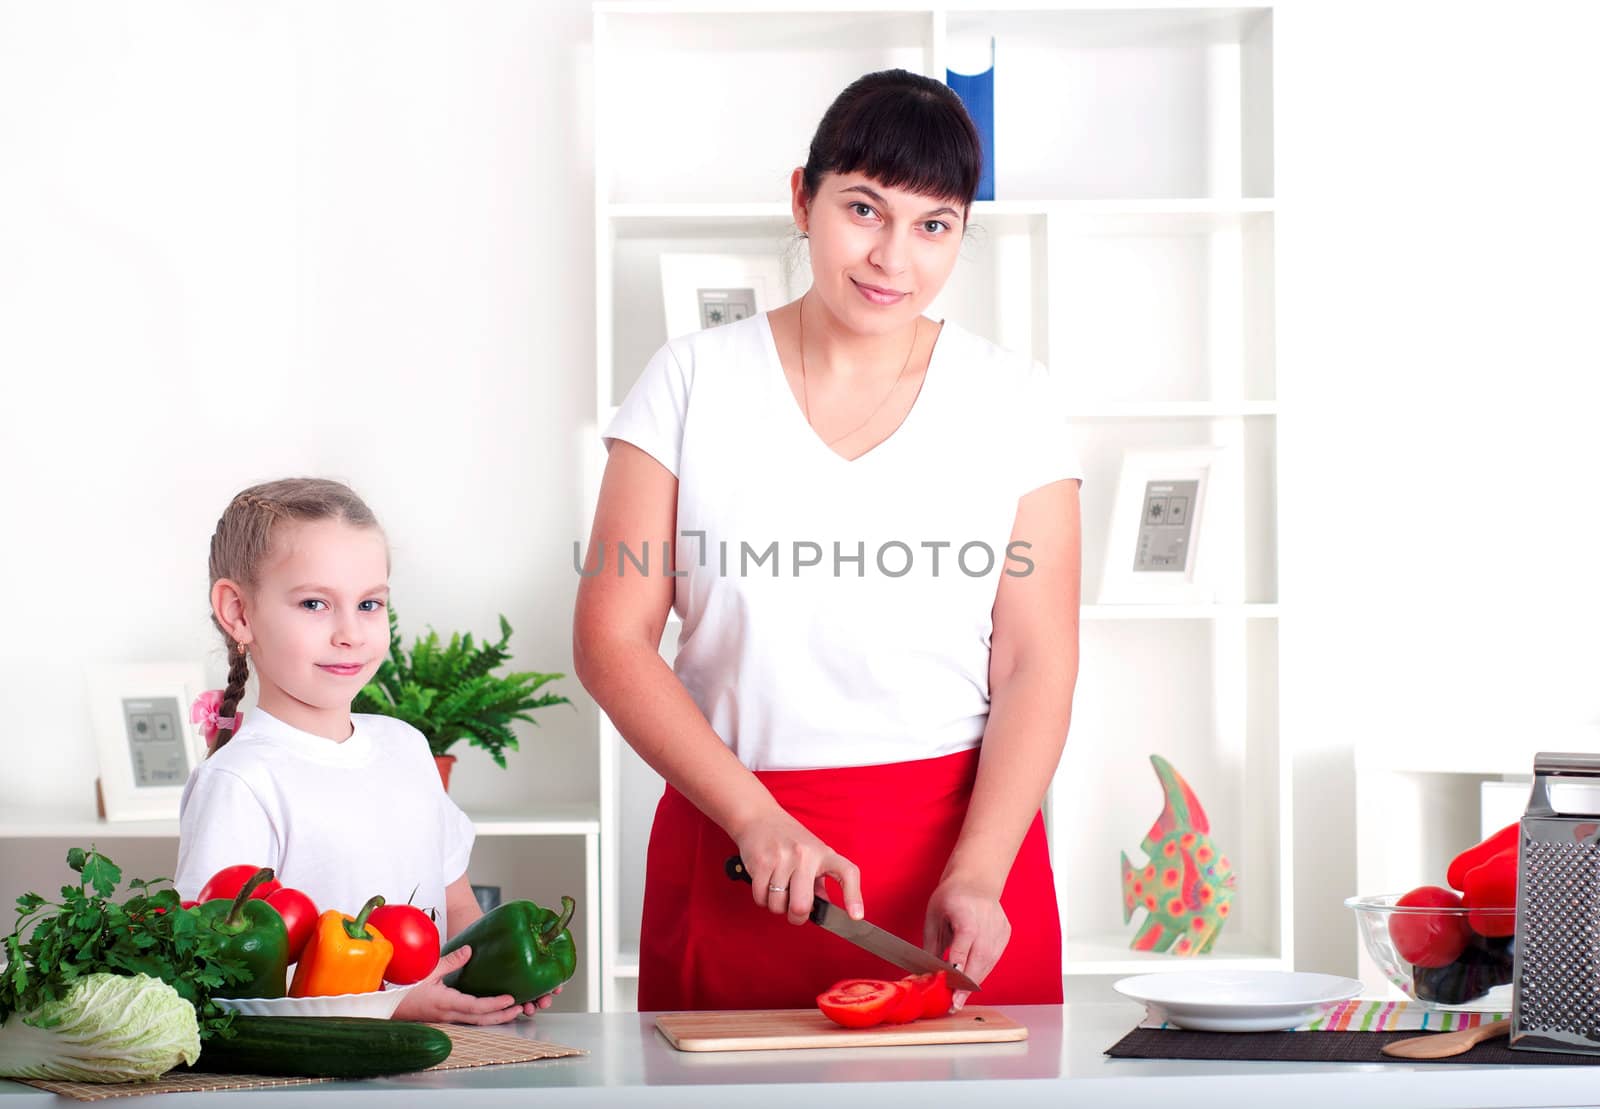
point(907, 131)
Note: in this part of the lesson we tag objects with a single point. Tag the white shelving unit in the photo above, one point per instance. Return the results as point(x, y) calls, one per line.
point(1131, 251)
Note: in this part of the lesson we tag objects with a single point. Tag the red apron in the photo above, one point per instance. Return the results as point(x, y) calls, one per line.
point(706, 944)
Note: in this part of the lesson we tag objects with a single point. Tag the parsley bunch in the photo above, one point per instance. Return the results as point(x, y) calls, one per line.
point(87, 933)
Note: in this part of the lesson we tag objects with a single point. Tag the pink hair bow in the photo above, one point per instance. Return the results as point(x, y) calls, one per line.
point(204, 713)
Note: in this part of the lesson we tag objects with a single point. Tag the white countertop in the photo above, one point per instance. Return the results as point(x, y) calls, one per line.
point(1062, 1063)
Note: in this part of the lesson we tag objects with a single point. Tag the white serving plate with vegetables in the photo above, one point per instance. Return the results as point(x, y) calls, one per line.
point(379, 1004)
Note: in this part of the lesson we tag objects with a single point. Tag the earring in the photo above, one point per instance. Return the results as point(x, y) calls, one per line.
point(242, 650)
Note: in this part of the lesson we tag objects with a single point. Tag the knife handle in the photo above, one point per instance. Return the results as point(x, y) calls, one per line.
point(734, 868)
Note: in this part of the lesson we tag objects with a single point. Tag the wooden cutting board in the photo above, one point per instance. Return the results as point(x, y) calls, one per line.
point(781, 1029)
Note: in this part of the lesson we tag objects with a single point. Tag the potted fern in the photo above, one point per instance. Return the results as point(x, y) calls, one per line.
point(449, 692)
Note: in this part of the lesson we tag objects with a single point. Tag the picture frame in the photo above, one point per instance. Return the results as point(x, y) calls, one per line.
point(146, 745)
point(1156, 549)
point(707, 290)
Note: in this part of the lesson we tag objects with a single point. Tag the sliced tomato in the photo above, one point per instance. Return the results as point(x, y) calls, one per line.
point(860, 1002)
point(907, 1007)
point(934, 991)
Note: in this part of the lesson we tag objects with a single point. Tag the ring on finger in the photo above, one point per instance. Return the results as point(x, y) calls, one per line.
point(777, 889)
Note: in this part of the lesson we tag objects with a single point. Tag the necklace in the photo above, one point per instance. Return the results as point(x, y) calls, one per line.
point(805, 393)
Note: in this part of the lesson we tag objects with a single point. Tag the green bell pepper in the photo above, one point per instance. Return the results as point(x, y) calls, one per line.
point(256, 935)
point(517, 948)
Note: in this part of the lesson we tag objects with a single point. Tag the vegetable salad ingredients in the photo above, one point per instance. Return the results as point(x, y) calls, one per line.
point(517, 949)
point(345, 955)
point(56, 944)
point(299, 912)
point(1458, 957)
point(104, 1028)
point(255, 935)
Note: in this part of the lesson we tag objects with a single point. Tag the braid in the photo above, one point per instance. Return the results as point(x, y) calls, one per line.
point(238, 674)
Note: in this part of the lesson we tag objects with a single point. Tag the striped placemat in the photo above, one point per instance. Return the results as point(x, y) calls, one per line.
point(473, 1047)
point(1361, 1015)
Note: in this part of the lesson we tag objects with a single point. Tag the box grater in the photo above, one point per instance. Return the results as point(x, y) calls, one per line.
point(1556, 970)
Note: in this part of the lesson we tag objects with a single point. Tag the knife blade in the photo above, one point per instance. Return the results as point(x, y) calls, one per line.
point(869, 937)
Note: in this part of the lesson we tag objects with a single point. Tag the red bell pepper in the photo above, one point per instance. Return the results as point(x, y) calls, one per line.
point(1479, 854)
point(1489, 891)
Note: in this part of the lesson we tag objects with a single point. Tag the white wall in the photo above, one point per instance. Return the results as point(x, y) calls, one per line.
point(1437, 233)
point(242, 240)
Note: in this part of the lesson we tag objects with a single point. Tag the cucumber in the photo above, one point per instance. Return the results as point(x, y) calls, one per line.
point(323, 1047)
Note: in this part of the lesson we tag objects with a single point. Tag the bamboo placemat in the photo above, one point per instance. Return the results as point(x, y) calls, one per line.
point(473, 1047)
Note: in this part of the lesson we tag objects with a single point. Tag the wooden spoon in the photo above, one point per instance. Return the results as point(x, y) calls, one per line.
point(1442, 1045)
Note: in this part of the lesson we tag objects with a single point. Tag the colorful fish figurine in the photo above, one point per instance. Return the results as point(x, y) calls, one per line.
point(1186, 886)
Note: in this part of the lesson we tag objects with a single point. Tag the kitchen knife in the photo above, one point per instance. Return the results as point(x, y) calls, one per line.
point(868, 937)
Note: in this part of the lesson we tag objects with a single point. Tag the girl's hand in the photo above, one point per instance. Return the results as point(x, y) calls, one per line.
point(787, 864)
point(529, 1008)
point(431, 1001)
point(967, 927)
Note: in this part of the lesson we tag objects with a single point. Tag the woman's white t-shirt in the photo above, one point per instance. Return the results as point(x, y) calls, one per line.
point(838, 612)
point(340, 821)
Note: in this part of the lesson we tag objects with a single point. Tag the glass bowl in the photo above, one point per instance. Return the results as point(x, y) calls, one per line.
point(1476, 969)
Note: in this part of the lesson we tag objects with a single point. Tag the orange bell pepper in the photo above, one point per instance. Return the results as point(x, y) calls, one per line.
point(344, 955)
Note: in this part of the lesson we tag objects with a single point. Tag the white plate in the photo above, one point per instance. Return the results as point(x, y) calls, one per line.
point(1238, 1000)
point(379, 1003)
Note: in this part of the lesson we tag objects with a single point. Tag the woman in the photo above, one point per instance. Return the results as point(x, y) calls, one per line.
point(872, 519)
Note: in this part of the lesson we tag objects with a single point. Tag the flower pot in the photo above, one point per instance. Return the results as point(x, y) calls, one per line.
point(444, 763)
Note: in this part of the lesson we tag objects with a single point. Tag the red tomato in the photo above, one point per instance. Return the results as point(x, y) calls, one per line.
point(935, 993)
point(859, 1002)
point(227, 882)
point(1428, 939)
point(415, 938)
point(299, 914)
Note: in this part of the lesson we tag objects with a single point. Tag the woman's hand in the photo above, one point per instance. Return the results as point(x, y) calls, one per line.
point(431, 1001)
point(787, 864)
point(966, 927)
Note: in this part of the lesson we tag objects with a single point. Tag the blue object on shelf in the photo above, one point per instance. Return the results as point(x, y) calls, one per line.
point(977, 93)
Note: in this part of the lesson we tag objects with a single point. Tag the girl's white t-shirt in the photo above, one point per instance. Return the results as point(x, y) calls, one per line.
point(838, 613)
point(339, 820)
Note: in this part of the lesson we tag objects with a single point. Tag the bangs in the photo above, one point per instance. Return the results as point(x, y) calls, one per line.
point(916, 138)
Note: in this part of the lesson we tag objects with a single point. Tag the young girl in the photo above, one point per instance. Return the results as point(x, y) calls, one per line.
point(342, 806)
